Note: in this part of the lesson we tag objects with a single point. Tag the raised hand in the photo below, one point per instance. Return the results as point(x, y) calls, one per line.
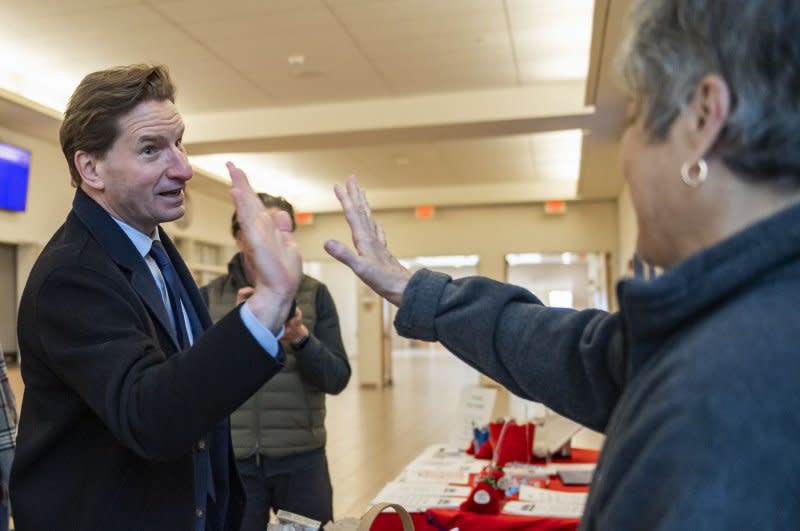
point(373, 263)
point(274, 254)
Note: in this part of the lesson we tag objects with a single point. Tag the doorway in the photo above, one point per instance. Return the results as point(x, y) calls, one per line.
point(567, 280)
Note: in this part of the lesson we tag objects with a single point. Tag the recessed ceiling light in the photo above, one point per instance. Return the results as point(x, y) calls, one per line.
point(296, 59)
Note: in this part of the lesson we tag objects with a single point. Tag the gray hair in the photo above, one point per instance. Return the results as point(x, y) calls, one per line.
point(752, 44)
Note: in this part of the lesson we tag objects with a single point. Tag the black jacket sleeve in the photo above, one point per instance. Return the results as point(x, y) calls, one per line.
point(323, 360)
point(95, 334)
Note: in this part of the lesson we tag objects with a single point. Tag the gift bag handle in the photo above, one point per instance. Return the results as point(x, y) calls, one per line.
point(370, 516)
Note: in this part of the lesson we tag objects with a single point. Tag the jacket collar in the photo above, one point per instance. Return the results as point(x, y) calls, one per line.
point(107, 233)
point(122, 251)
point(654, 309)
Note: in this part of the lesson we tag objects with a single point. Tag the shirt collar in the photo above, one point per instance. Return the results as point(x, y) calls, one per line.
point(140, 240)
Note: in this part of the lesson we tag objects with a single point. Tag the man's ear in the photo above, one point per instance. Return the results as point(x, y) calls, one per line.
point(707, 113)
point(86, 163)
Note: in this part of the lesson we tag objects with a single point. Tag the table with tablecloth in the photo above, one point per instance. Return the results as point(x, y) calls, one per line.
point(439, 519)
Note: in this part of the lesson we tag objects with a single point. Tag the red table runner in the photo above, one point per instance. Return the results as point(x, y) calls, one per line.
point(445, 519)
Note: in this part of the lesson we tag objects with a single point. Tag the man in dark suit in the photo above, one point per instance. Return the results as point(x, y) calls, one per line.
point(127, 384)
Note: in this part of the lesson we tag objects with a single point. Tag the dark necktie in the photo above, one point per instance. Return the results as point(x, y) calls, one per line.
point(171, 280)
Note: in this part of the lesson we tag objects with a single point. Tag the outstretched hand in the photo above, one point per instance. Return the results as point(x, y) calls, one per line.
point(274, 254)
point(373, 263)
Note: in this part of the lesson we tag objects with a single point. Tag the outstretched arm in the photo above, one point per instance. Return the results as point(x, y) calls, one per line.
point(372, 262)
point(572, 361)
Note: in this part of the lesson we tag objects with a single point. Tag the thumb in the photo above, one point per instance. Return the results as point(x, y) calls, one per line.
point(341, 252)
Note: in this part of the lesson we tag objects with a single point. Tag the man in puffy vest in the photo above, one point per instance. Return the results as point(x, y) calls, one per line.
point(279, 433)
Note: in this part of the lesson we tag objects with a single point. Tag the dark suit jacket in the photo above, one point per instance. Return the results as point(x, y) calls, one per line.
point(111, 410)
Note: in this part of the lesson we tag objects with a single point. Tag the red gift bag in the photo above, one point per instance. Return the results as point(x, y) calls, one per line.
point(512, 442)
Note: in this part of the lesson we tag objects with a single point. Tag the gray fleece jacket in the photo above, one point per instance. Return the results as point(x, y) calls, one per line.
point(694, 382)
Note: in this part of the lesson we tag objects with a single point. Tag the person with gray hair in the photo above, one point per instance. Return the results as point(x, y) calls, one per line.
point(693, 381)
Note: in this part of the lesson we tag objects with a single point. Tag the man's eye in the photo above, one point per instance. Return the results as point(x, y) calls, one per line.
point(148, 150)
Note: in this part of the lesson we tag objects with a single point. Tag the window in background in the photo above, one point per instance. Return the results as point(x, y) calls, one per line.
point(576, 280)
point(560, 298)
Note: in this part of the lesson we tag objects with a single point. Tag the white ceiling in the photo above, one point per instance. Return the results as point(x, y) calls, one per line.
point(428, 101)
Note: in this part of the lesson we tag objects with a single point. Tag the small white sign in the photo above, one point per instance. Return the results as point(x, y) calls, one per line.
point(475, 410)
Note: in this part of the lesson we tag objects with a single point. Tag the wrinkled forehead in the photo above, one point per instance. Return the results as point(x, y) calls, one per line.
point(151, 118)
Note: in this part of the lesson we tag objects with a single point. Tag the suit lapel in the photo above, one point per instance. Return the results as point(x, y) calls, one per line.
point(145, 286)
point(196, 308)
point(122, 251)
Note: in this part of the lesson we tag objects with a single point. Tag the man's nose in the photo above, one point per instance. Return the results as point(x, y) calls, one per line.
point(179, 167)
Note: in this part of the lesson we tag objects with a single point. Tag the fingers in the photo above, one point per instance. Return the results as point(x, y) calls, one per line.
point(272, 248)
point(341, 252)
point(357, 213)
point(282, 220)
point(362, 199)
point(350, 209)
point(241, 188)
point(371, 261)
point(359, 199)
point(238, 177)
point(381, 234)
point(248, 205)
point(243, 294)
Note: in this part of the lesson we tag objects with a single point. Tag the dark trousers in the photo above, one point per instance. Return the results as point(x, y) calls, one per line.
point(305, 492)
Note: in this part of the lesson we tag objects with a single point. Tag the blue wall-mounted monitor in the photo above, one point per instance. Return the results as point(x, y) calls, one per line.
point(15, 165)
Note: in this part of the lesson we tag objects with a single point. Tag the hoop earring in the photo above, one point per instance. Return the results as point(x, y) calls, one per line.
point(700, 174)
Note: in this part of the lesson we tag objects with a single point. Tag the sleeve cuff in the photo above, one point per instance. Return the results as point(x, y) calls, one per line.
point(261, 333)
point(416, 316)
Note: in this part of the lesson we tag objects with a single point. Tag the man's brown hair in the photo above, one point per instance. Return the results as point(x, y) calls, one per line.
point(270, 201)
point(91, 121)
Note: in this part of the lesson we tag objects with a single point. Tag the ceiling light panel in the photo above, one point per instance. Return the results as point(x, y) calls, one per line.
point(266, 173)
point(552, 40)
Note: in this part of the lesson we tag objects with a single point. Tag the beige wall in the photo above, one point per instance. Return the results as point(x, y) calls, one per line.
point(49, 192)
point(50, 198)
point(489, 232)
point(627, 231)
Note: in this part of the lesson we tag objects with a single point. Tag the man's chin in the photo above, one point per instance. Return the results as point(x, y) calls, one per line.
point(174, 214)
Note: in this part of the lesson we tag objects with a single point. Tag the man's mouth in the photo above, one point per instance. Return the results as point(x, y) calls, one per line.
point(172, 193)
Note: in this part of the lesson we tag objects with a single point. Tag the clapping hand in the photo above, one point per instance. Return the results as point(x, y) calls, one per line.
point(275, 257)
point(295, 330)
